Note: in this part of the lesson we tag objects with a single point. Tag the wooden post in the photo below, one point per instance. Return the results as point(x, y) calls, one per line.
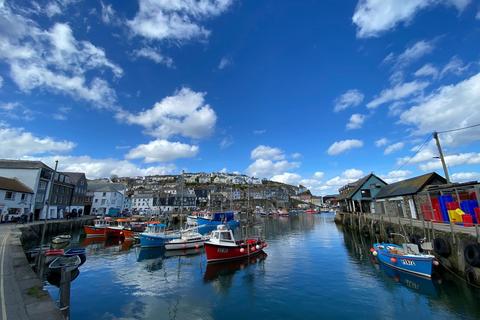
point(65, 280)
point(451, 231)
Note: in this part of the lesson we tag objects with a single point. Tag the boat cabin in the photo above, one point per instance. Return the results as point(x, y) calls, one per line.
point(101, 223)
point(155, 228)
point(223, 236)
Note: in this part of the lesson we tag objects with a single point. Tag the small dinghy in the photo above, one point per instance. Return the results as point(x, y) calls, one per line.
point(188, 240)
point(80, 252)
point(52, 254)
point(61, 241)
point(67, 263)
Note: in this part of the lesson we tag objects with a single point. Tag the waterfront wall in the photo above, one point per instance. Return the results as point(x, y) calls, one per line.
point(456, 247)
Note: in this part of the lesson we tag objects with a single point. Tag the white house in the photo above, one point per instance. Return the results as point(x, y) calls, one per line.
point(35, 175)
point(144, 203)
point(107, 198)
point(15, 199)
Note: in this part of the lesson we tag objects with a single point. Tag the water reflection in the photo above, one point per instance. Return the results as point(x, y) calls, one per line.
point(228, 269)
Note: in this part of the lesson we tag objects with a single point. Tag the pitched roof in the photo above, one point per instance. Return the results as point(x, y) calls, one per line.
point(75, 176)
point(409, 186)
point(23, 164)
point(105, 187)
point(357, 185)
point(13, 185)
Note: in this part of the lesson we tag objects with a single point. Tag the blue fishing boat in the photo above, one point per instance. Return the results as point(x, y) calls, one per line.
point(209, 221)
point(406, 258)
point(156, 236)
point(80, 252)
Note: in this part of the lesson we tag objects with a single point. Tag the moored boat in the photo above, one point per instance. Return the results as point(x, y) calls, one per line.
point(98, 229)
point(189, 240)
point(52, 254)
point(156, 236)
point(282, 212)
point(61, 241)
point(311, 211)
point(63, 262)
point(222, 246)
point(209, 222)
point(80, 252)
point(120, 228)
point(406, 258)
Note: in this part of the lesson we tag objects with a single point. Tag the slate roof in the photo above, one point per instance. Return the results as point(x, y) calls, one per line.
point(74, 176)
point(13, 185)
point(357, 185)
point(23, 164)
point(409, 186)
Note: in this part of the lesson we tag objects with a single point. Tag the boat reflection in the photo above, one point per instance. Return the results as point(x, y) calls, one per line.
point(183, 252)
point(221, 269)
point(418, 284)
point(152, 258)
point(54, 277)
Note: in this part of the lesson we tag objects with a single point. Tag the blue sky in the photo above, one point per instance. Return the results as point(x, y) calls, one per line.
point(311, 92)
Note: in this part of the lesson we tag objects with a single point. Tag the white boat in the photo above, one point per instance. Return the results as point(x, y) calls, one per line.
point(190, 239)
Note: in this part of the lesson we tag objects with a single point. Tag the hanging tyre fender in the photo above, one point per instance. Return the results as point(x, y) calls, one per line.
point(472, 254)
point(376, 227)
point(442, 247)
point(471, 275)
point(365, 231)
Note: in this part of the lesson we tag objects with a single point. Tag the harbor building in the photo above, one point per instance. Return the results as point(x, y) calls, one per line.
point(77, 201)
point(359, 196)
point(15, 199)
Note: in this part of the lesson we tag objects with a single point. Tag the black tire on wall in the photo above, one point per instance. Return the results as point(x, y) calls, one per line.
point(472, 254)
point(376, 227)
point(365, 231)
point(470, 276)
point(442, 247)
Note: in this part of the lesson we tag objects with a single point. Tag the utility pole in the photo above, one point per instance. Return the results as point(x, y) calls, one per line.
point(440, 153)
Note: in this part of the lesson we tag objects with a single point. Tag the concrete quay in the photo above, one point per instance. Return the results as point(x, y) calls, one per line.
point(21, 291)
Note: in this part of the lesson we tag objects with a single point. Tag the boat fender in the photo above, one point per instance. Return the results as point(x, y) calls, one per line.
point(393, 260)
point(242, 250)
point(471, 275)
point(441, 247)
point(472, 254)
point(257, 247)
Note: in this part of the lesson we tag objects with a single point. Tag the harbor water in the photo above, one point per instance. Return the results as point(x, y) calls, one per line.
point(311, 270)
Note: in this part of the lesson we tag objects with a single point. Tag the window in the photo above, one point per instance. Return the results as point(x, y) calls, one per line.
point(96, 200)
point(104, 194)
point(366, 193)
point(9, 195)
point(24, 196)
point(225, 236)
point(103, 201)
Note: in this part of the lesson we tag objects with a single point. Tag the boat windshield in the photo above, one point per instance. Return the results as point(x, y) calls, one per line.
point(226, 236)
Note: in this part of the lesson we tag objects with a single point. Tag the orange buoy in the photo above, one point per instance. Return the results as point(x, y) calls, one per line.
point(393, 260)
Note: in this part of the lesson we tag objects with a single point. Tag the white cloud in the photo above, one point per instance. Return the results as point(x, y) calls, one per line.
point(396, 175)
point(356, 121)
point(296, 155)
point(162, 151)
point(344, 145)
point(381, 142)
point(224, 62)
point(428, 70)
point(16, 143)
point(398, 92)
point(266, 152)
point(347, 176)
point(319, 175)
point(54, 60)
point(269, 162)
point(374, 17)
point(9, 106)
point(411, 54)
point(351, 98)
point(449, 107)
point(465, 176)
point(394, 147)
point(185, 113)
point(104, 167)
point(154, 55)
point(452, 161)
point(427, 153)
point(259, 131)
point(287, 178)
point(226, 142)
point(1, 81)
point(268, 168)
point(109, 15)
point(454, 66)
point(478, 15)
point(175, 20)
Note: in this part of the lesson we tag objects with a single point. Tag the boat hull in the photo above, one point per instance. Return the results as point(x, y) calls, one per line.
point(419, 266)
point(192, 244)
point(218, 253)
point(154, 241)
point(92, 231)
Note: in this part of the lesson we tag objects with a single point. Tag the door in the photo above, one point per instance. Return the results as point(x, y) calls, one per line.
point(412, 208)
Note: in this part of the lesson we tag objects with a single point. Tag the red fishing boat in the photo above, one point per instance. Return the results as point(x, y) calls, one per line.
point(98, 229)
point(311, 211)
point(120, 228)
point(222, 246)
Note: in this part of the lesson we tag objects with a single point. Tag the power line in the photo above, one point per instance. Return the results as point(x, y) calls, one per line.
point(458, 129)
point(416, 152)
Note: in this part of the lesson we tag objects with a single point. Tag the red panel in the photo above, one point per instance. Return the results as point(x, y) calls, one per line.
point(467, 220)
